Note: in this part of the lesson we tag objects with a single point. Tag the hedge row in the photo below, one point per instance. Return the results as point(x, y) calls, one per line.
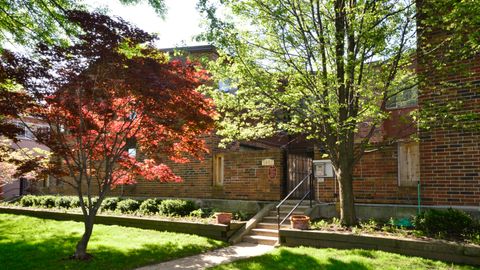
point(151, 206)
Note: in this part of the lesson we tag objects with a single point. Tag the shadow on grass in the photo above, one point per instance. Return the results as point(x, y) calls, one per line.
point(285, 259)
point(53, 253)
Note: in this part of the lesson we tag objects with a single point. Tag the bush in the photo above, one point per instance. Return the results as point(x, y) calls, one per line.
point(150, 206)
point(128, 206)
point(74, 202)
point(27, 200)
point(62, 202)
point(110, 203)
point(448, 222)
point(202, 213)
point(241, 215)
point(176, 207)
point(47, 201)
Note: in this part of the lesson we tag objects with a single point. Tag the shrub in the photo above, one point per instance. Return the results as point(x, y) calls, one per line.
point(448, 222)
point(47, 201)
point(241, 215)
point(74, 202)
point(27, 200)
point(128, 206)
point(176, 207)
point(150, 206)
point(202, 213)
point(110, 203)
point(63, 202)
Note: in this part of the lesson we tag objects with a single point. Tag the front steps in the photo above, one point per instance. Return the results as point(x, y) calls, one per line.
point(266, 231)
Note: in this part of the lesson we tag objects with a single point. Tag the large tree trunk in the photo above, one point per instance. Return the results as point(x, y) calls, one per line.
point(347, 203)
point(81, 250)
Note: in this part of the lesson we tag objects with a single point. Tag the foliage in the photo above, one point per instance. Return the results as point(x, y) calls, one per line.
point(329, 258)
point(27, 200)
point(241, 215)
point(149, 206)
point(445, 223)
point(25, 163)
point(323, 69)
point(32, 21)
point(75, 202)
point(47, 243)
point(176, 207)
point(127, 206)
point(47, 201)
point(110, 203)
point(100, 102)
point(370, 226)
point(442, 56)
point(63, 202)
point(202, 213)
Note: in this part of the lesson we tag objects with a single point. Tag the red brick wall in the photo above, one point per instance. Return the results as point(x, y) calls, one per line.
point(375, 180)
point(244, 178)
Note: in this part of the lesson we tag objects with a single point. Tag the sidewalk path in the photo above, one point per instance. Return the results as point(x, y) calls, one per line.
point(212, 258)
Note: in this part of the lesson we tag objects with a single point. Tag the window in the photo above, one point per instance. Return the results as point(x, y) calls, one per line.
point(218, 175)
point(26, 132)
point(408, 164)
point(226, 86)
point(132, 152)
point(404, 99)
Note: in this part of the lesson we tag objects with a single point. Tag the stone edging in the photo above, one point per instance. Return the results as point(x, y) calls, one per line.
point(432, 249)
point(215, 231)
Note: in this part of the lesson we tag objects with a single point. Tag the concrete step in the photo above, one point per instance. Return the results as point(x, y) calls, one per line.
point(263, 240)
point(284, 213)
point(265, 232)
point(271, 225)
point(273, 219)
point(286, 207)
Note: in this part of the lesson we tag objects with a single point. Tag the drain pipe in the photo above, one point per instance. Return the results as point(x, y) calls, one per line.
point(419, 197)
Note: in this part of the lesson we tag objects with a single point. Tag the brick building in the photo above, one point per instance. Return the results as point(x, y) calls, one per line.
point(445, 162)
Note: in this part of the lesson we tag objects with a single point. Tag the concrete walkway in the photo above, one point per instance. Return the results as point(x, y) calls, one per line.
point(212, 258)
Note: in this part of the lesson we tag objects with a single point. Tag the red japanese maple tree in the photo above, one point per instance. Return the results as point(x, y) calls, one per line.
point(107, 94)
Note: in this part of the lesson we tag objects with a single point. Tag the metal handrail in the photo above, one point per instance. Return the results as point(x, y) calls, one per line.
point(308, 193)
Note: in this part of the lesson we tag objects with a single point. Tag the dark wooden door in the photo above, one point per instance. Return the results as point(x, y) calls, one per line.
point(299, 167)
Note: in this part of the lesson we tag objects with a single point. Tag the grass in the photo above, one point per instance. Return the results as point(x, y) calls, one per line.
point(330, 259)
point(33, 243)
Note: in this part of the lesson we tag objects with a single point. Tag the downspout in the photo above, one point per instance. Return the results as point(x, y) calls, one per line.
point(284, 184)
point(418, 197)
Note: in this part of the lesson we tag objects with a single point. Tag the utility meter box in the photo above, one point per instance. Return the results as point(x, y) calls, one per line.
point(322, 168)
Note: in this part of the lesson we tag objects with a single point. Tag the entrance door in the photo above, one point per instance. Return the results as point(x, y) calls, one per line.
point(299, 167)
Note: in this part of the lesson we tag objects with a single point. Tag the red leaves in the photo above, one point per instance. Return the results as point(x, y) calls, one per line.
point(100, 103)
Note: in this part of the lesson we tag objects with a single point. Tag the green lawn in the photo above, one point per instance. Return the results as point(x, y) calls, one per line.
point(333, 259)
point(33, 243)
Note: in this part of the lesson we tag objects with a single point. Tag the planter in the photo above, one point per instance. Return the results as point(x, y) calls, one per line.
point(223, 218)
point(215, 231)
point(300, 222)
point(430, 249)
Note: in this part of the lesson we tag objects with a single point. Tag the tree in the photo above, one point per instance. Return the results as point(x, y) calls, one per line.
point(117, 109)
point(20, 162)
point(322, 68)
point(31, 21)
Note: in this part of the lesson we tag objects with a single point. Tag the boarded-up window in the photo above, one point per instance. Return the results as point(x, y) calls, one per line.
point(408, 164)
point(218, 169)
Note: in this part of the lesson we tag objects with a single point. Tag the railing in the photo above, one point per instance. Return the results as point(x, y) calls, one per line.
point(309, 179)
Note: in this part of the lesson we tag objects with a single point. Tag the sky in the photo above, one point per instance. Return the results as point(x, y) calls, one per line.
point(181, 23)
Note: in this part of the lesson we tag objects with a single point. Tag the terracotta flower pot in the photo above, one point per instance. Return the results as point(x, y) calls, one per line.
point(223, 218)
point(300, 222)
